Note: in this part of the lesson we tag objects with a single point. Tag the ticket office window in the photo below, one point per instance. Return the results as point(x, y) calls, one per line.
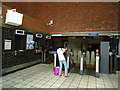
point(19, 42)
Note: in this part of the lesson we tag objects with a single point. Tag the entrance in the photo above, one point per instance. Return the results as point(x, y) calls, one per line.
point(79, 45)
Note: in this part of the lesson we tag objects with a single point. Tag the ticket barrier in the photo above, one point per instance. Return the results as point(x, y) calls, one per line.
point(114, 62)
point(118, 62)
point(110, 59)
point(97, 65)
point(82, 64)
point(55, 57)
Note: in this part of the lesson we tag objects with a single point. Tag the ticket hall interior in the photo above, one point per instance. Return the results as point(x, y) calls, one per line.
point(32, 32)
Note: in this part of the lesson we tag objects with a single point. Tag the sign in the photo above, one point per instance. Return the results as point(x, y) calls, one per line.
point(56, 34)
point(93, 34)
point(7, 45)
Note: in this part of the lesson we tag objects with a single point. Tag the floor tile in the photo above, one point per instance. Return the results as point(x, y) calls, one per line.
point(45, 86)
point(49, 83)
point(18, 85)
point(65, 83)
point(53, 87)
point(37, 85)
point(72, 86)
point(26, 86)
point(100, 86)
point(91, 86)
point(82, 86)
point(64, 86)
point(56, 84)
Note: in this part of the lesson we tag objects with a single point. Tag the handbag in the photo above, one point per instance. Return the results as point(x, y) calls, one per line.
point(56, 71)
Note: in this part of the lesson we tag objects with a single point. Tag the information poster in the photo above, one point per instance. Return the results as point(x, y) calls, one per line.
point(7, 44)
point(29, 42)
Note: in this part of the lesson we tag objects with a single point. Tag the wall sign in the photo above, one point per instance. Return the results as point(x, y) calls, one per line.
point(7, 44)
point(93, 34)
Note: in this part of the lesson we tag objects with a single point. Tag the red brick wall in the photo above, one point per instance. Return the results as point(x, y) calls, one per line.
point(72, 17)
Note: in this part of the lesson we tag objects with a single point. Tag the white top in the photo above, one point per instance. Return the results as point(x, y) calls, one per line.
point(60, 54)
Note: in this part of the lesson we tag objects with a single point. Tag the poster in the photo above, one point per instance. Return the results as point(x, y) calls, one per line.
point(7, 45)
point(29, 42)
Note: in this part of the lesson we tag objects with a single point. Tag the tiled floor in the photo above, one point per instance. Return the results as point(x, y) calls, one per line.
point(41, 76)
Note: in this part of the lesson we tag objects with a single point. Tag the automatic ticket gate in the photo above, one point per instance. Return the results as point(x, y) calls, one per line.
point(55, 57)
point(81, 64)
point(82, 61)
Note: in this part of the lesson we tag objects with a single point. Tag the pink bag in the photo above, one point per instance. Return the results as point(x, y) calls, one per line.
point(56, 71)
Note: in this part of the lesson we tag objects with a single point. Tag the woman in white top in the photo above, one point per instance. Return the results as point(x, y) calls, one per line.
point(62, 60)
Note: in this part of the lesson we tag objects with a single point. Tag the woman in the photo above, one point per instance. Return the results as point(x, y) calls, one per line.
point(62, 60)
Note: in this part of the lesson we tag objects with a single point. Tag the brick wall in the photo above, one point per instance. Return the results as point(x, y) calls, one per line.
point(73, 16)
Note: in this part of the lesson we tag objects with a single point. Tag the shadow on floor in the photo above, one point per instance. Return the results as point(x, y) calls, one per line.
point(87, 71)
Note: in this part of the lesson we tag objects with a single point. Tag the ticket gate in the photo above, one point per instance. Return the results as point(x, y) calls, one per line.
point(82, 63)
point(97, 63)
point(55, 57)
point(47, 56)
point(118, 62)
point(114, 62)
point(87, 58)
